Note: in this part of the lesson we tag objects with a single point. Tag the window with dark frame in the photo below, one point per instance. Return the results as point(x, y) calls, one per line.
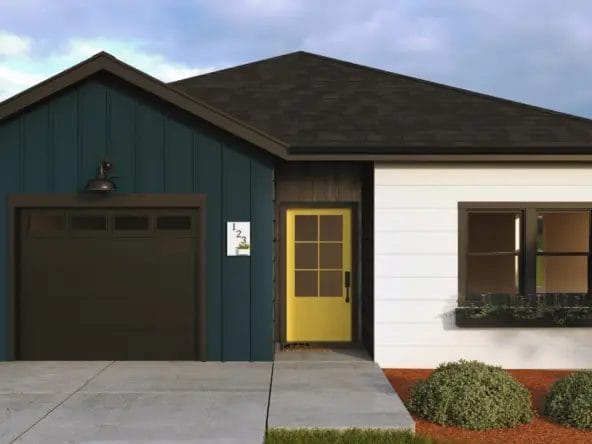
point(524, 252)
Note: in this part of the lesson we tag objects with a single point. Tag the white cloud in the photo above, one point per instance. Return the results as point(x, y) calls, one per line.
point(13, 45)
point(23, 70)
point(13, 81)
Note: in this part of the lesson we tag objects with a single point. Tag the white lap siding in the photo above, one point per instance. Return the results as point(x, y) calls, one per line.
point(416, 265)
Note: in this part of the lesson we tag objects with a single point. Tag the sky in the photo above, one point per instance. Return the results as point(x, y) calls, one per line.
point(533, 51)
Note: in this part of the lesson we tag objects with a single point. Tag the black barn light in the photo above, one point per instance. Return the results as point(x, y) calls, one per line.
point(101, 182)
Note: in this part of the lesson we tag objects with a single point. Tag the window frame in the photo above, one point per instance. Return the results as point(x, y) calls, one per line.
point(528, 240)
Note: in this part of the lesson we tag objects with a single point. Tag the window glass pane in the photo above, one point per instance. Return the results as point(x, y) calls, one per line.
point(46, 223)
point(331, 284)
point(331, 228)
point(306, 283)
point(331, 255)
point(566, 232)
point(492, 274)
point(562, 274)
point(491, 232)
point(98, 223)
point(131, 223)
point(306, 255)
point(306, 228)
point(173, 222)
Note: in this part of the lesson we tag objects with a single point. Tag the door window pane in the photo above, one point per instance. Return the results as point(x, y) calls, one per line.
point(331, 255)
point(331, 284)
point(306, 283)
point(494, 232)
point(306, 256)
point(306, 228)
point(567, 232)
point(562, 274)
point(331, 228)
point(492, 274)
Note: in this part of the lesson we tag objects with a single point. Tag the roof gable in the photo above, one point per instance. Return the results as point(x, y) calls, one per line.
point(318, 105)
point(104, 62)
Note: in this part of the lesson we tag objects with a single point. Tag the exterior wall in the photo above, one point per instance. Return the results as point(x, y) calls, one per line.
point(416, 265)
point(56, 146)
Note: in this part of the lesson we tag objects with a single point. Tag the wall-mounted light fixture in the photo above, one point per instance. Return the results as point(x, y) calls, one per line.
point(101, 182)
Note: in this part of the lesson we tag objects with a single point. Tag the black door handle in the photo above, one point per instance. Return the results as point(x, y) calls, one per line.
point(347, 285)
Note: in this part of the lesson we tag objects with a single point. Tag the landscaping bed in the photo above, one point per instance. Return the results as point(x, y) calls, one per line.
point(540, 430)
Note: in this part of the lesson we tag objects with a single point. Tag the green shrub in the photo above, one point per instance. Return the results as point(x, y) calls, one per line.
point(569, 401)
point(472, 395)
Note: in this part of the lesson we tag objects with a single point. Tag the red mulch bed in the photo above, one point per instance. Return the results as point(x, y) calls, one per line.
point(541, 430)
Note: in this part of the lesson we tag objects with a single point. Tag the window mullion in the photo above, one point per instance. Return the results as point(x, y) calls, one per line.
point(530, 252)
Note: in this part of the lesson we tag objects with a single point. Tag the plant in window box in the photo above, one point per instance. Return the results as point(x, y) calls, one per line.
point(537, 310)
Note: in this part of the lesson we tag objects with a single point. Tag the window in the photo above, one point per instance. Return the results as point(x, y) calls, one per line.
point(563, 239)
point(46, 222)
point(318, 255)
point(493, 250)
point(525, 251)
point(173, 222)
point(91, 223)
point(131, 223)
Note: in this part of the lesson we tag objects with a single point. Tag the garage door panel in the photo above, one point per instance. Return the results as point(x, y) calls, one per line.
point(108, 296)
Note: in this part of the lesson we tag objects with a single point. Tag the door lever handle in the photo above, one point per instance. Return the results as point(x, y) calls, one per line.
point(347, 285)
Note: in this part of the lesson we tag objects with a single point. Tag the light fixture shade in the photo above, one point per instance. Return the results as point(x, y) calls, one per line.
point(100, 184)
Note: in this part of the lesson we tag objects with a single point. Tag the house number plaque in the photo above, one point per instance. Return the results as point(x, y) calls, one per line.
point(238, 238)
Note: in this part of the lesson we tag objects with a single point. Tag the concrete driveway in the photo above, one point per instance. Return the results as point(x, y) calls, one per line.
point(124, 402)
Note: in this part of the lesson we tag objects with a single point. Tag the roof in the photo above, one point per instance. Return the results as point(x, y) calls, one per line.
point(319, 105)
point(303, 106)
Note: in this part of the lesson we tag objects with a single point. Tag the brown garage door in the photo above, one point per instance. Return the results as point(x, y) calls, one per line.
point(107, 284)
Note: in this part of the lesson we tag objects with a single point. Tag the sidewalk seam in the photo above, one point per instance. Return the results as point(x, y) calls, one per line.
point(61, 402)
point(269, 399)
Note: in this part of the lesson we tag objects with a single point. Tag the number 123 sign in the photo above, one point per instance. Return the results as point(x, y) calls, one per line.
point(238, 238)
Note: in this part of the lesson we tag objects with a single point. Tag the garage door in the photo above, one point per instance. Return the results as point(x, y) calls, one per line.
point(107, 284)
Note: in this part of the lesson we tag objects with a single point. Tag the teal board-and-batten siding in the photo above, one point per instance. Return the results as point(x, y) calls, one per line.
point(56, 146)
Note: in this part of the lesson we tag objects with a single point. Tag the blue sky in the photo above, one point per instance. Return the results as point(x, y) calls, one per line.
point(535, 51)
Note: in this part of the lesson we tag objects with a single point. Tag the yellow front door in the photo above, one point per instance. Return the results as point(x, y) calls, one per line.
point(318, 275)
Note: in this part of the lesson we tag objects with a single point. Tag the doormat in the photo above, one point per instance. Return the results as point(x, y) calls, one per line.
point(299, 346)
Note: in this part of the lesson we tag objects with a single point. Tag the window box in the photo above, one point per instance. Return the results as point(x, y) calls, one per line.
point(540, 310)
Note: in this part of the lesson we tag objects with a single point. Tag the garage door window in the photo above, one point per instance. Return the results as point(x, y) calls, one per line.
point(132, 223)
point(88, 223)
point(46, 223)
point(180, 222)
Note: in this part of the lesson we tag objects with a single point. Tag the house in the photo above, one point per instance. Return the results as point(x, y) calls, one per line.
point(297, 199)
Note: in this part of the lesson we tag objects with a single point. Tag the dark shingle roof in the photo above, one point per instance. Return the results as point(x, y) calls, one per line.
point(317, 104)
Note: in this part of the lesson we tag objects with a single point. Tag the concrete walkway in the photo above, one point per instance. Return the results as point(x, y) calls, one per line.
point(190, 402)
point(333, 389)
